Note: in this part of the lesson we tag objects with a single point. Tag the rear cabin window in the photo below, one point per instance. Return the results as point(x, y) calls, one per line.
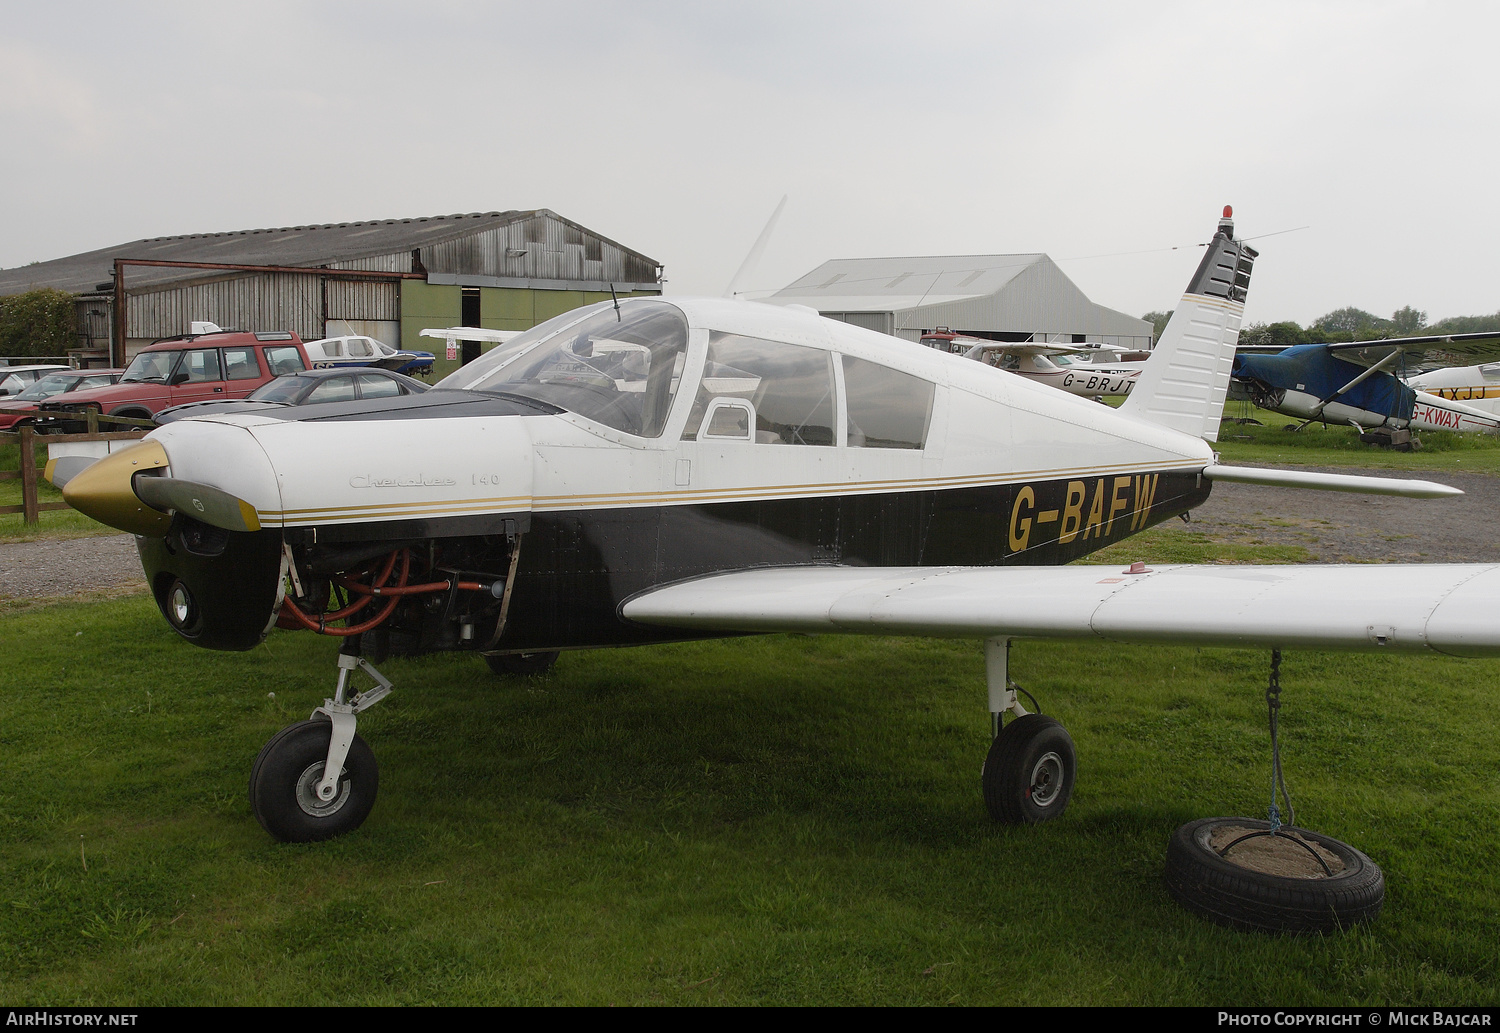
point(371, 386)
point(334, 389)
point(283, 359)
point(887, 408)
point(240, 364)
point(789, 387)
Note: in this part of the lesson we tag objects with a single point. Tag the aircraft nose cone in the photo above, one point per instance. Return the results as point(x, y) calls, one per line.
point(104, 490)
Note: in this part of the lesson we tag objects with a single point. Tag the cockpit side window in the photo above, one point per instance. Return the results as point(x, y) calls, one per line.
point(887, 408)
point(789, 388)
point(620, 369)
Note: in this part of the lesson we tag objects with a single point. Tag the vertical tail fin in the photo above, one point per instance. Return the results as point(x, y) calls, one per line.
point(1184, 382)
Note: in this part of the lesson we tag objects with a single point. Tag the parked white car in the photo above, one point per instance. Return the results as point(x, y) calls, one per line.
point(15, 379)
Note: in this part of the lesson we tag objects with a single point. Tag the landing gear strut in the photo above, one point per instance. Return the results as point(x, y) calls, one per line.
point(1029, 773)
point(317, 779)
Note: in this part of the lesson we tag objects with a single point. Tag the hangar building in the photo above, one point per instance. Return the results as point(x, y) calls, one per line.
point(998, 297)
point(388, 278)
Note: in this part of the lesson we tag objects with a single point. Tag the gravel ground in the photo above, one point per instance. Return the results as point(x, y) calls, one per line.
point(1332, 526)
point(1340, 528)
point(34, 570)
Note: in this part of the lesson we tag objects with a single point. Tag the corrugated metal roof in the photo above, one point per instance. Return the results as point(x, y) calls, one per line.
point(312, 245)
point(1013, 293)
point(904, 282)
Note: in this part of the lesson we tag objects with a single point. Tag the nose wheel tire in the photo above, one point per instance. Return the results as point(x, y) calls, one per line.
point(1028, 775)
point(521, 663)
point(284, 784)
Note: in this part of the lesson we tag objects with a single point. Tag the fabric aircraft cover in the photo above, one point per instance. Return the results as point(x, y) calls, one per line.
point(1447, 608)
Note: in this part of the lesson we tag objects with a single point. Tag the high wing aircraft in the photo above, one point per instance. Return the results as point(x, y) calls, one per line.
point(668, 469)
point(1478, 387)
point(1357, 383)
point(1054, 364)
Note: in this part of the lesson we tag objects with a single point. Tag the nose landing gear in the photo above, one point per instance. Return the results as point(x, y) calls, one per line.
point(317, 779)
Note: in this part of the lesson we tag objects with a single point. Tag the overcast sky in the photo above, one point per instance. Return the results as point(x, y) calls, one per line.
point(1078, 129)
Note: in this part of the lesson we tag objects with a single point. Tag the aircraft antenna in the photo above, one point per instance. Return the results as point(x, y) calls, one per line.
point(616, 300)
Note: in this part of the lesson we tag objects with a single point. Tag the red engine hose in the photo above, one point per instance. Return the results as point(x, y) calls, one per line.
point(394, 593)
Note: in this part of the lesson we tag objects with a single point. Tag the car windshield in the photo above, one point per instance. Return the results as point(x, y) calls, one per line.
point(620, 369)
point(46, 388)
point(283, 389)
point(149, 366)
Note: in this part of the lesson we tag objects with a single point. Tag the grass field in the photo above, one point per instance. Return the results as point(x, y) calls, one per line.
point(758, 821)
point(766, 820)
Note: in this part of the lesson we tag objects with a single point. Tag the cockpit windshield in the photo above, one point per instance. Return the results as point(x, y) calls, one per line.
point(620, 369)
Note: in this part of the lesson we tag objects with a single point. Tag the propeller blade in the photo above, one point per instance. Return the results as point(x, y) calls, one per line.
point(199, 501)
point(64, 468)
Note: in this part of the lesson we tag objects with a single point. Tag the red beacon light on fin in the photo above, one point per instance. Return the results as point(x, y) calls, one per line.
point(1228, 212)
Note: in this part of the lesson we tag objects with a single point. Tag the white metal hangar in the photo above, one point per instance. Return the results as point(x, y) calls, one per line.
point(387, 278)
point(998, 297)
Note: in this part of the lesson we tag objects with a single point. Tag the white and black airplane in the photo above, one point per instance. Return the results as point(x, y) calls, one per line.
point(1062, 366)
point(664, 469)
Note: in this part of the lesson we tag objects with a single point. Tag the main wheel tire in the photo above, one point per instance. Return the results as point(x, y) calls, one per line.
point(521, 663)
point(284, 780)
point(1028, 775)
point(1224, 892)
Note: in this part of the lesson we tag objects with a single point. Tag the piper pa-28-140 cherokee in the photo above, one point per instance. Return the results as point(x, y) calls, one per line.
point(654, 470)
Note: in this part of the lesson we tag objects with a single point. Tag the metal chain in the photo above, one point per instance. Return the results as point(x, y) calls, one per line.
point(1273, 706)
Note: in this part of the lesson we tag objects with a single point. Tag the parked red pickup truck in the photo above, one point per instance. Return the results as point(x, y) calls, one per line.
point(190, 368)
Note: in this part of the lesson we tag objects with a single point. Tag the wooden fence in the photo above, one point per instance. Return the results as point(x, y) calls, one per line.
point(30, 508)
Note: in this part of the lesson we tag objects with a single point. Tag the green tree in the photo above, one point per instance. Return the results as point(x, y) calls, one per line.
point(1408, 322)
point(1278, 335)
point(38, 322)
point(1355, 322)
point(1466, 325)
point(1159, 320)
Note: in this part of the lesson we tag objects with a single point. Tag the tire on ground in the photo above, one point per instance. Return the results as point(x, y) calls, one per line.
point(1029, 746)
point(290, 765)
point(1224, 892)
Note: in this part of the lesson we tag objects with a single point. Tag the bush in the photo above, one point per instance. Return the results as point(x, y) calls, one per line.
point(39, 322)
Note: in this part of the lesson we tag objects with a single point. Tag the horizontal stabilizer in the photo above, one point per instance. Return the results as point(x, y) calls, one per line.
point(1331, 482)
point(1447, 608)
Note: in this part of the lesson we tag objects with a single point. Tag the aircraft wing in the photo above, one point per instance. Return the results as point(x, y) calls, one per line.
point(1447, 608)
point(1424, 353)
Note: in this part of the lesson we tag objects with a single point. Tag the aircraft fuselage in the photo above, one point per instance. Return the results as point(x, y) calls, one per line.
point(780, 439)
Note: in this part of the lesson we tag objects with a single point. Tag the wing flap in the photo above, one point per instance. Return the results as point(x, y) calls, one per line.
point(1449, 608)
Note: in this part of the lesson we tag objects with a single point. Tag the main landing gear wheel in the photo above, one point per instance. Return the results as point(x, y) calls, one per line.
point(1294, 882)
point(1028, 775)
point(284, 783)
point(521, 663)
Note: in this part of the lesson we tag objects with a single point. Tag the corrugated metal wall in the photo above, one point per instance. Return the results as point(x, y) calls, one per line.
point(260, 301)
point(348, 300)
